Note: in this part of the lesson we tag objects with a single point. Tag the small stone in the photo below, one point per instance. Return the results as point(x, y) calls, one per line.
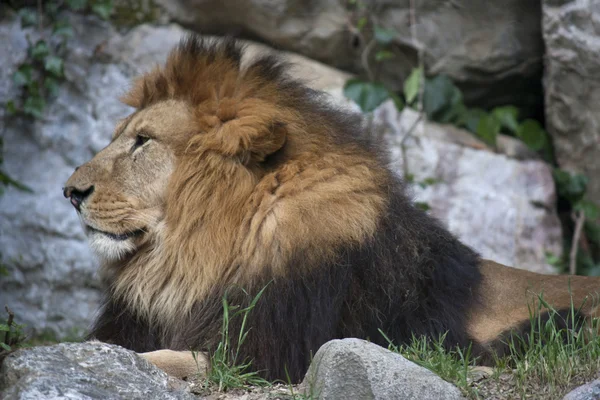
point(591, 391)
point(357, 369)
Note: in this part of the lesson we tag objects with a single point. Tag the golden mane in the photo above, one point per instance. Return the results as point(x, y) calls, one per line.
point(233, 219)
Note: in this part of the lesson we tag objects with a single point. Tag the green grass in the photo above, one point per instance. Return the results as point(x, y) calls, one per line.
point(227, 371)
point(551, 358)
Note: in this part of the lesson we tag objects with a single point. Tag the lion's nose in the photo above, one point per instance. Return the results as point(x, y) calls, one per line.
point(77, 196)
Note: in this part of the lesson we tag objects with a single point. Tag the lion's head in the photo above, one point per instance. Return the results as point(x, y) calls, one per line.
point(221, 175)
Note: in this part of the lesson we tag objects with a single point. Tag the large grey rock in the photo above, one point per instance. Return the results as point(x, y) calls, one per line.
point(90, 371)
point(357, 369)
point(572, 36)
point(492, 49)
point(591, 391)
point(501, 206)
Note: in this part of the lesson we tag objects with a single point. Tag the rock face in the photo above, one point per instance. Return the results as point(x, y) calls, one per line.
point(493, 50)
point(572, 88)
point(91, 370)
point(357, 369)
point(498, 204)
point(591, 391)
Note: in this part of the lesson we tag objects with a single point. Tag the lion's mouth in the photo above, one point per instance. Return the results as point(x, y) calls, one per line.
point(117, 236)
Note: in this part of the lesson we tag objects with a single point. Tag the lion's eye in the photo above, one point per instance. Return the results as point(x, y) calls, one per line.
point(139, 141)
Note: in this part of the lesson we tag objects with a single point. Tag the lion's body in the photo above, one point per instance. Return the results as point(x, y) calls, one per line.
point(231, 176)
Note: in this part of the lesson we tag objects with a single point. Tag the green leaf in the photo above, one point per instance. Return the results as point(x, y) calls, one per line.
point(51, 8)
point(11, 108)
point(439, 95)
point(22, 76)
point(398, 102)
point(367, 95)
point(52, 86)
point(28, 17)
point(422, 205)
point(592, 231)
point(62, 28)
point(4, 328)
point(77, 5)
point(508, 117)
point(590, 209)
point(5, 346)
point(532, 134)
point(553, 259)
point(54, 65)
point(40, 50)
point(412, 84)
point(571, 186)
point(455, 110)
point(103, 8)
point(34, 106)
point(383, 55)
point(470, 119)
point(488, 129)
point(361, 23)
point(384, 35)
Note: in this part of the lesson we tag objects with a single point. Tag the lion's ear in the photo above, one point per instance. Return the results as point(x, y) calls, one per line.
point(251, 132)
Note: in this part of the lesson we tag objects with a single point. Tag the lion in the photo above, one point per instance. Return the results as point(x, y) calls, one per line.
point(230, 179)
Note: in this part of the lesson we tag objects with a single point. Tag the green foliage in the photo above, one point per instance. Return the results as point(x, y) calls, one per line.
point(227, 371)
point(39, 76)
point(412, 85)
point(571, 188)
point(551, 354)
point(555, 353)
point(451, 365)
point(442, 102)
point(368, 95)
point(11, 335)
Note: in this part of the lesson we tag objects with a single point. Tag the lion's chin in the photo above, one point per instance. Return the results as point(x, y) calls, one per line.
point(108, 248)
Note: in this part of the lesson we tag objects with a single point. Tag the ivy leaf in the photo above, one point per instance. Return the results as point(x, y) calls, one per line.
point(590, 209)
point(362, 22)
point(34, 106)
point(5, 346)
point(28, 17)
point(455, 109)
point(570, 186)
point(103, 8)
point(384, 35)
point(508, 117)
point(11, 108)
point(488, 129)
point(22, 76)
point(383, 55)
point(438, 95)
point(398, 102)
point(51, 86)
point(77, 5)
point(62, 28)
point(422, 205)
point(40, 50)
point(368, 95)
point(471, 117)
point(54, 65)
point(412, 84)
point(592, 231)
point(532, 134)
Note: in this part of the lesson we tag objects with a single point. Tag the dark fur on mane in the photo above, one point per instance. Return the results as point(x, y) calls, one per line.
point(412, 278)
